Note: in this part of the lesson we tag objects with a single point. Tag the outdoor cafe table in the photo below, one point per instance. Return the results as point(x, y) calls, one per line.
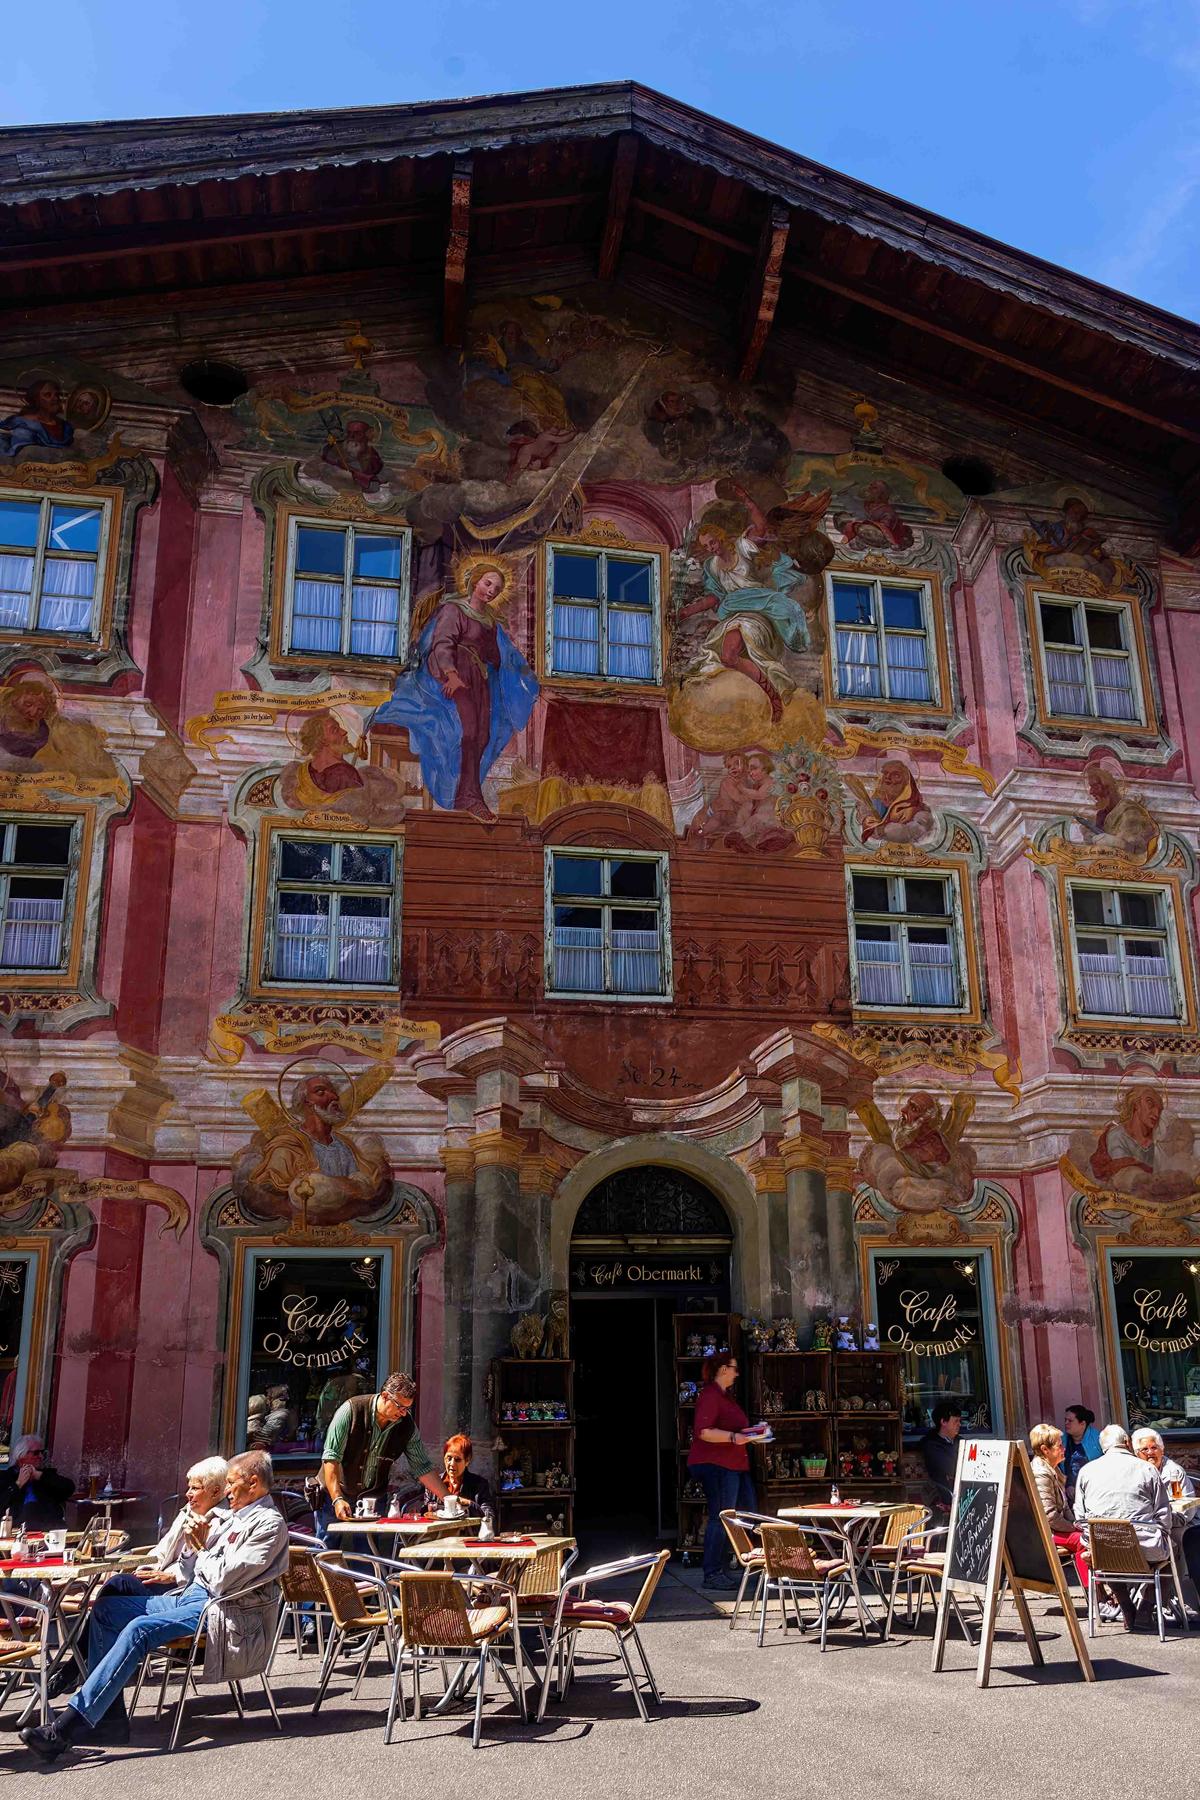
point(854, 1525)
point(451, 1550)
point(399, 1536)
point(56, 1578)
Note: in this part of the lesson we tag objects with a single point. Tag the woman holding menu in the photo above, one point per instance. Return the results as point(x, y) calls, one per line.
point(720, 1434)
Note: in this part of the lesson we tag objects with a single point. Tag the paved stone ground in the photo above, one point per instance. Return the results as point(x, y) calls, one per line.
point(860, 1720)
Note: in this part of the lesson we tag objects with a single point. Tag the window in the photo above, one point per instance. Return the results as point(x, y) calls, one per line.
point(35, 873)
point(609, 931)
point(1121, 938)
point(1156, 1301)
point(883, 641)
point(314, 1335)
point(905, 940)
point(50, 560)
point(1090, 660)
point(334, 912)
point(939, 1312)
point(347, 590)
point(603, 614)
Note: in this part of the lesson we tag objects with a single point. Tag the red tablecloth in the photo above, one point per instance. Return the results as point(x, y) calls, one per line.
point(43, 1562)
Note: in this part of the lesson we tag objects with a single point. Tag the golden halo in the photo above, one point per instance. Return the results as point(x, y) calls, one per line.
point(468, 568)
point(317, 1063)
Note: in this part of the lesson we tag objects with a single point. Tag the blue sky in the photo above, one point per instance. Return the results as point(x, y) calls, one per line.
point(1070, 128)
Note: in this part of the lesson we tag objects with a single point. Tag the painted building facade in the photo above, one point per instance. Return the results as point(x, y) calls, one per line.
point(565, 676)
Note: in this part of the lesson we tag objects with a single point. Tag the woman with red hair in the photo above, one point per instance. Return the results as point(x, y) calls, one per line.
point(472, 1490)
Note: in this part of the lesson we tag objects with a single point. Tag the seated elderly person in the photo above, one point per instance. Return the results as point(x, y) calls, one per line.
point(1119, 1485)
point(471, 1489)
point(238, 1558)
point(35, 1494)
point(1049, 1454)
point(1185, 1527)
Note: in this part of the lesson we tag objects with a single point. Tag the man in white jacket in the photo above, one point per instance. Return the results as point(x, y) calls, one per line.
point(243, 1549)
point(1119, 1485)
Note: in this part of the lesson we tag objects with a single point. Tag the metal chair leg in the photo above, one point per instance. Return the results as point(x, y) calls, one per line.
point(547, 1677)
point(396, 1700)
point(237, 1699)
point(641, 1650)
point(737, 1605)
point(633, 1681)
point(481, 1677)
point(327, 1668)
point(266, 1688)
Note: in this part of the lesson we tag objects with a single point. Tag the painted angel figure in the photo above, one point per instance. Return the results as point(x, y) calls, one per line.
point(301, 1164)
point(921, 1164)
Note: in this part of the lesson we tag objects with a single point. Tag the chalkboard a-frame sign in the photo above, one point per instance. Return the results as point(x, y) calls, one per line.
point(999, 1537)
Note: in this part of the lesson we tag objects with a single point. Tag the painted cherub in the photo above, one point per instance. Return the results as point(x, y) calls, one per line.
point(742, 813)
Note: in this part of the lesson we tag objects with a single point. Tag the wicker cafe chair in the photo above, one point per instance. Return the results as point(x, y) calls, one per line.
point(1118, 1560)
point(436, 1614)
point(746, 1554)
point(354, 1625)
point(577, 1612)
point(26, 1657)
point(303, 1599)
point(789, 1563)
point(537, 1581)
point(195, 1646)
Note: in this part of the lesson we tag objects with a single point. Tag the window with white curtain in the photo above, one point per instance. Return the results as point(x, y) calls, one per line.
point(602, 613)
point(1122, 939)
point(51, 561)
point(36, 859)
point(334, 912)
point(884, 640)
point(608, 930)
point(347, 591)
point(1090, 660)
point(906, 940)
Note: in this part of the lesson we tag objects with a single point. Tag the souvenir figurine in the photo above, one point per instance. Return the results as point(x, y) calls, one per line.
point(846, 1339)
point(846, 1465)
point(887, 1463)
point(693, 1344)
point(871, 1338)
point(823, 1335)
point(710, 1345)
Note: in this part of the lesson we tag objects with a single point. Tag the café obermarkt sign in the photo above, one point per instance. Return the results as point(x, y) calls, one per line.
point(650, 1273)
point(927, 1307)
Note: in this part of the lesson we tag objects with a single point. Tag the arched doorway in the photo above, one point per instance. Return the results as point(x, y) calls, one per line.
point(648, 1244)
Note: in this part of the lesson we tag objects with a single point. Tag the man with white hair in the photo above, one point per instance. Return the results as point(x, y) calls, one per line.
point(245, 1549)
point(1119, 1485)
point(1148, 1444)
point(33, 1492)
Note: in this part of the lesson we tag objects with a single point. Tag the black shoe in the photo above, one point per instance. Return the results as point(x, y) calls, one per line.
point(50, 1741)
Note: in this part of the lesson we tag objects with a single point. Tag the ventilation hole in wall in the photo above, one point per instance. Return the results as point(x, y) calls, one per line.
point(213, 383)
point(970, 474)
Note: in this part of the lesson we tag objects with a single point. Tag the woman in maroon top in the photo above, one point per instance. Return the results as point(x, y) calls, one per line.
point(719, 1457)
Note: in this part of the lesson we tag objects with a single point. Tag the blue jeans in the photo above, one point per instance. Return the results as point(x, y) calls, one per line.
point(723, 1489)
point(123, 1629)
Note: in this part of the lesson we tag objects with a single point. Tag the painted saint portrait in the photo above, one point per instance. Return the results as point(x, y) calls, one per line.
point(1072, 543)
point(1144, 1152)
point(877, 525)
point(36, 738)
point(31, 1133)
point(893, 810)
point(40, 422)
point(302, 1164)
point(469, 690)
point(328, 777)
point(741, 813)
point(920, 1164)
point(1117, 821)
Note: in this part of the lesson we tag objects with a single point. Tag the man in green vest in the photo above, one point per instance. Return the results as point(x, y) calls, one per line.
point(365, 1436)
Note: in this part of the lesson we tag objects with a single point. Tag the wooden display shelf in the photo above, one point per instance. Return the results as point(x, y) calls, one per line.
point(518, 1380)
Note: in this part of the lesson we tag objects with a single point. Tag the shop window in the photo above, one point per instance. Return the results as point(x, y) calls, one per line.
point(52, 554)
point(1090, 660)
point(906, 940)
point(36, 860)
point(884, 641)
point(603, 616)
point(1156, 1309)
point(608, 930)
point(314, 1334)
point(939, 1312)
point(1124, 952)
point(347, 591)
point(334, 912)
point(16, 1310)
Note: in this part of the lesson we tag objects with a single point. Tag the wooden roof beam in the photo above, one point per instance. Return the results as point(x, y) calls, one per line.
point(620, 187)
point(762, 295)
point(454, 301)
point(861, 295)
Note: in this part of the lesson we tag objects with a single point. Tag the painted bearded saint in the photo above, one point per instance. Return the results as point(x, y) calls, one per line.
point(920, 1165)
point(302, 1165)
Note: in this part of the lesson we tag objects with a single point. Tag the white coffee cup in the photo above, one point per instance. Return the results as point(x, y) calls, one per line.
point(452, 1507)
point(366, 1507)
point(56, 1542)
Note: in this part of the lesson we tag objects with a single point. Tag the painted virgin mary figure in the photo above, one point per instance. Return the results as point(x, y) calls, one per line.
point(469, 690)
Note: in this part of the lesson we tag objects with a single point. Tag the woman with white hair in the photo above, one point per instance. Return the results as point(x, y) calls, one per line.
point(35, 1494)
point(173, 1558)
